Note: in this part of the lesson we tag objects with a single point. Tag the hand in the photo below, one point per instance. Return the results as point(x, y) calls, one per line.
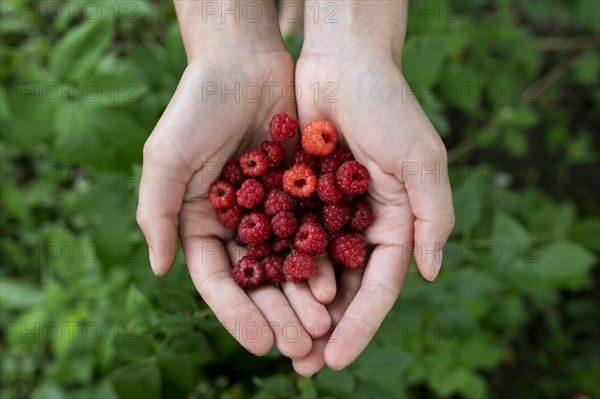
point(198, 133)
point(387, 131)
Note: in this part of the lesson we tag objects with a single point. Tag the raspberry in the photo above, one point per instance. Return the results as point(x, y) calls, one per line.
point(221, 194)
point(299, 181)
point(255, 228)
point(335, 216)
point(248, 273)
point(232, 216)
point(233, 172)
point(278, 201)
point(282, 127)
point(311, 239)
point(250, 194)
point(319, 138)
point(259, 251)
point(254, 163)
point(283, 246)
point(237, 238)
point(330, 163)
point(352, 178)
point(302, 157)
point(349, 249)
point(284, 224)
point(363, 215)
point(272, 179)
point(273, 266)
point(311, 203)
point(274, 152)
point(298, 267)
point(308, 217)
point(327, 190)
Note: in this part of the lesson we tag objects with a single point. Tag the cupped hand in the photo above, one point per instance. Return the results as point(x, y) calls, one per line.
point(367, 98)
point(222, 107)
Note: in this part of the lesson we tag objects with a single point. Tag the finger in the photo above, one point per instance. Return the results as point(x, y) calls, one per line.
point(312, 314)
point(379, 289)
point(209, 267)
point(430, 199)
point(291, 338)
point(323, 283)
point(310, 364)
point(162, 187)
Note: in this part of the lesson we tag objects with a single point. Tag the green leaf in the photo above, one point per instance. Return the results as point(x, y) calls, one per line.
point(138, 380)
point(19, 295)
point(137, 304)
point(460, 381)
point(277, 386)
point(79, 51)
point(423, 57)
point(338, 383)
point(467, 206)
point(375, 365)
point(565, 264)
point(508, 240)
point(75, 140)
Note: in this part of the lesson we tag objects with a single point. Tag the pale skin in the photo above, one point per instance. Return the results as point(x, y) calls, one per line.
point(380, 122)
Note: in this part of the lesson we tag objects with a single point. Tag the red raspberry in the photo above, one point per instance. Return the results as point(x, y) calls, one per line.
point(330, 163)
point(233, 172)
point(248, 273)
point(272, 179)
point(232, 216)
point(284, 224)
point(335, 216)
point(319, 138)
point(259, 251)
point(255, 228)
point(283, 246)
point(302, 157)
point(327, 190)
point(250, 194)
point(238, 239)
point(308, 217)
point(363, 215)
point(311, 203)
point(299, 181)
point(254, 163)
point(221, 194)
point(299, 267)
point(273, 266)
point(352, 178)
point(349, 249)
point(282, 127)
point(311, 239)
point(274, 152)
point(278, 201)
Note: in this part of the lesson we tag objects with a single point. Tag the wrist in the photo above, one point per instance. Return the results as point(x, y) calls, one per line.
point(355, 28)
point(228, 26)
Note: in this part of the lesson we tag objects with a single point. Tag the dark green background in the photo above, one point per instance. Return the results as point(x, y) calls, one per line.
point(512, 87)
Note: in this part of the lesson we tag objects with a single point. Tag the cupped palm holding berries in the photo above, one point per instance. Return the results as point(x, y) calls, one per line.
point(285, 217)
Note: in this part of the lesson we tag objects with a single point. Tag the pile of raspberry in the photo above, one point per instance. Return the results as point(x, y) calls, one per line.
point(285, 217)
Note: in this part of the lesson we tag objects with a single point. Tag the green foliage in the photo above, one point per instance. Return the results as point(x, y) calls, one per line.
point(511, 84)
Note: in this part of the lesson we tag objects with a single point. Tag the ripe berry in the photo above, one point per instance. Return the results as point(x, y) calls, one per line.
point(221, 194)
point(327, 190)
point(352, 178)
point(248, 273)
point(284, 224)
point(274, 152)
point(311, 203)
point(308, 217)
point(233, 172)
point(299, 181)
point(278, 201)
point(232, 216)
point(363, 215)
point(272, 179)
point(255, 228)
point(311, 239)
point(283, 246)
point(273, 266)
point(282, 127)
point(250, 194)
point(331, 162)
point(254, 163)
point(319, 137)
point(302, 157)
point(299, 267)
point(335, 216)
point(349, 249)
point(259, 251)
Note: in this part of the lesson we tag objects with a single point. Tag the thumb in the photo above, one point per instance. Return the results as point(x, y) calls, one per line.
point(162, 187)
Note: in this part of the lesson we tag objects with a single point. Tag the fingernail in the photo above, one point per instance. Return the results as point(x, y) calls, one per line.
point(436, 265)
point(152, 261)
